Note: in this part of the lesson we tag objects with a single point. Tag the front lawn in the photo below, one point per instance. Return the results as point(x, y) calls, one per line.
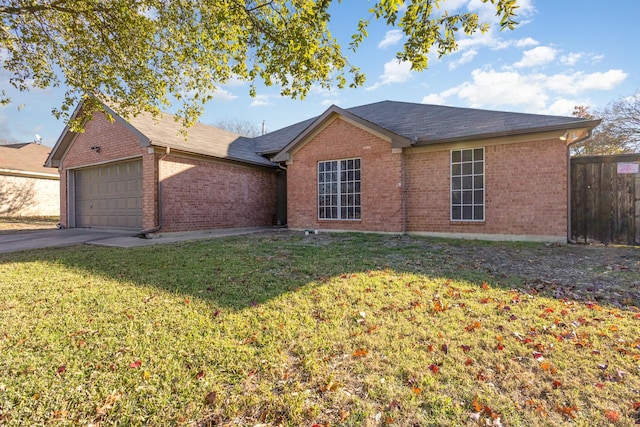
point(327, 330)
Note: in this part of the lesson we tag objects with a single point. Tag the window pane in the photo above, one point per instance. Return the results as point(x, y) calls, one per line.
point(467, 212)
point(456, 212)
point(467, 168)
point(467, 182)
point(478, 154)
point(456, 183)
point(478, 167)
point(467, 197)
point(357, 200)
point(456, 170)
point(467, 155)
point(478, 197)
point(456, 197)
point(456, 156)
point(357, 213)
point(321, 167)
point(478, 181)
point(478, 213)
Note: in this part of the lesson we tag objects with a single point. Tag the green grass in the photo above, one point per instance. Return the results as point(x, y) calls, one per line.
point(338, 330)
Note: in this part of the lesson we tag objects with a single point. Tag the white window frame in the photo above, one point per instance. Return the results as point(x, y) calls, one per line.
point(464, 178)
point(343, 191)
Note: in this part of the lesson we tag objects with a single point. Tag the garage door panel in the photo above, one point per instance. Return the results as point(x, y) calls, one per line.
point(110, 196)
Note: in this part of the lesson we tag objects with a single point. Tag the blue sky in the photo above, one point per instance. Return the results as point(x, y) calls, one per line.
point(563, 53)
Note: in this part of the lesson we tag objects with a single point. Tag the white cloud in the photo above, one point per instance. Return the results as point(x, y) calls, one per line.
point(260, 101)
point(526, 42)
point(465, 58)
point(395, 71)
point(530, 92)
point(571, 59)
point(433, 98)
point(329, 96)
point(564, 107)
point(224, 95)
point(391, 38)
point(537, 56)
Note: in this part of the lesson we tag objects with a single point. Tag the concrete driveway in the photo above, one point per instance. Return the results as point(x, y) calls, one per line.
point(26, 240)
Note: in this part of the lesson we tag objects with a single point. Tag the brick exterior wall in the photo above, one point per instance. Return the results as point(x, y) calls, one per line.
point(380, 176)
point(199, 194)
point(115, 141)
point(525, 191)
point(525, 182)
point(196, 193)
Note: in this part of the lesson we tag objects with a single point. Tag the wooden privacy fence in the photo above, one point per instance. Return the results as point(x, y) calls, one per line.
point(605, 199)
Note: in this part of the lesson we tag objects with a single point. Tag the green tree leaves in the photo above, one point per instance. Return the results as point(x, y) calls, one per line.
point(146, 54)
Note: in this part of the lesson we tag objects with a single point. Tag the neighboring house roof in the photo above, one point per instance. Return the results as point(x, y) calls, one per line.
point(27, 158)
point(423, 124)
point(164, 131)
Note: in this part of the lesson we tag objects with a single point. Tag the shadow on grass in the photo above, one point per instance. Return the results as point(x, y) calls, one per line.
point(239, 272)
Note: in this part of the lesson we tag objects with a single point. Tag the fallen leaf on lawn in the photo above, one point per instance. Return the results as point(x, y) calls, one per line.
point(485, 285)
point(434, 368)
point(472, 326)
point(108, 403)
point(211, 397)
point(567, 411)
point(476, 405)
point(612, 416)
point(360, 352)
point(200, 375)
point(61, 369)
point(135, 364)
point(146, 375)
point(465, 348)
point(468, 362)
point(416, 390)
point(445, 348)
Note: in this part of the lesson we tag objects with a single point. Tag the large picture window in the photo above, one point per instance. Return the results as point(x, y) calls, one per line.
point(339, 189)
point(467, 185)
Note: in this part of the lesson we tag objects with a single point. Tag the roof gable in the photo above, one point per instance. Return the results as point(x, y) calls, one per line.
point(166, 132)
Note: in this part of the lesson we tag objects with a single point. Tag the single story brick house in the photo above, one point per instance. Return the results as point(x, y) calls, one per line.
point(27, 188)
point(389, 167)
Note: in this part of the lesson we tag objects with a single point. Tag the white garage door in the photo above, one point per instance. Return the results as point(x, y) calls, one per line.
point(109, 196)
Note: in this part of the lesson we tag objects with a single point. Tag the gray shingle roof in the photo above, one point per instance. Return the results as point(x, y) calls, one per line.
point(273, 142)
point(201, 139)
point(428, 124)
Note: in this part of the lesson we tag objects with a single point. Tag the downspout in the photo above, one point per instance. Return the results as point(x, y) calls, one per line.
point(403, 193)
point(569, 237)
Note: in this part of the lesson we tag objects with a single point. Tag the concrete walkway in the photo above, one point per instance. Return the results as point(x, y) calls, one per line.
point(27, 240)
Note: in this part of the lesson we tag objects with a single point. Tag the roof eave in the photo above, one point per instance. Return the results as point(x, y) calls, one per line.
point(267, 163)
point(588, 124)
